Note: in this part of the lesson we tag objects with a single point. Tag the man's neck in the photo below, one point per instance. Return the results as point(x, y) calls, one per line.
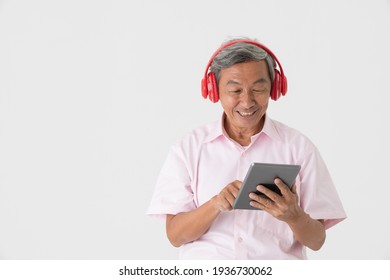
point(242, 135)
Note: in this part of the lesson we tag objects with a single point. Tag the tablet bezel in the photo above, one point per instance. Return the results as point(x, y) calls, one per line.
point(264, 174)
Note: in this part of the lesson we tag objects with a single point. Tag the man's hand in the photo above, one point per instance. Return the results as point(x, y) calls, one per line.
point(283, 207)
point(225, 199)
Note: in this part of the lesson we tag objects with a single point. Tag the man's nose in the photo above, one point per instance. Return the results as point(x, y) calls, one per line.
point(247, 98)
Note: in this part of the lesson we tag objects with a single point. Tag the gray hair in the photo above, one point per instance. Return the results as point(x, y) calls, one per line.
point(239, 53)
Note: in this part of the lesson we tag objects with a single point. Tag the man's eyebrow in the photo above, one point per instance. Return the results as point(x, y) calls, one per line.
point(231, 82)
point(260, 81)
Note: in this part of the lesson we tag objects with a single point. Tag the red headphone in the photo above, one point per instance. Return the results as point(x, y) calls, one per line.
point(209, 81)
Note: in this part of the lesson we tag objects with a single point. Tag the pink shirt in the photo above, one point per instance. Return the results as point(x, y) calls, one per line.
point(206, 160)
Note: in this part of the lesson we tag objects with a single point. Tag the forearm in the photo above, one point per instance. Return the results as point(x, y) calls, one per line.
point(308, 231)
point(189, 226)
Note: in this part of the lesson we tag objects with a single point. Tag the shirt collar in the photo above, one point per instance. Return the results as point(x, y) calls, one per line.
point(217, 130)
point(269, 128)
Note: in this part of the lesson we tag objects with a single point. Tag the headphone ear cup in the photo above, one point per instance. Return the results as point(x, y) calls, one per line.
point(276, 86)
point(209, 87)
point(205, 91)
point(212, 87)
point(284, 85)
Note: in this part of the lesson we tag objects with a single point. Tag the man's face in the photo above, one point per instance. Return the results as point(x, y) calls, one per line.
point(244, 91)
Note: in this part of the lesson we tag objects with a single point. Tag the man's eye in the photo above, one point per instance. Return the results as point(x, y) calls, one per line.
point(237, 91)
point(258, 90)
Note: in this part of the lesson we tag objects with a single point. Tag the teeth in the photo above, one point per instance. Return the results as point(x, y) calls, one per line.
point(246, 114)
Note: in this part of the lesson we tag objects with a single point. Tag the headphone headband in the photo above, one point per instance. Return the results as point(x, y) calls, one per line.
point(209, 84)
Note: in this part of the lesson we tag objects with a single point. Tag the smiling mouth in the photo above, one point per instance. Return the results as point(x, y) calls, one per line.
point(245, 114)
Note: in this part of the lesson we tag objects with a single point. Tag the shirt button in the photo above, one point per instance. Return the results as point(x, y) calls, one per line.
point(239, 239)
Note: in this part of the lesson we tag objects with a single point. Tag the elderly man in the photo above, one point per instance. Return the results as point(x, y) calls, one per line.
point(203, 173)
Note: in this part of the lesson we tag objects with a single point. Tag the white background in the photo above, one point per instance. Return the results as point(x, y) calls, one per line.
point(93, 93)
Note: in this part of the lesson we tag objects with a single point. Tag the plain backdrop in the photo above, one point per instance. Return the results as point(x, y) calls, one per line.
point(93, 93)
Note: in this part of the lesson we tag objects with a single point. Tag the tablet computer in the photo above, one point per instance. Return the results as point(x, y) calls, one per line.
point(264, 174)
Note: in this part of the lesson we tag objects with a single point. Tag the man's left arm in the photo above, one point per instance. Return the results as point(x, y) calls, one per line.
point(307, 231)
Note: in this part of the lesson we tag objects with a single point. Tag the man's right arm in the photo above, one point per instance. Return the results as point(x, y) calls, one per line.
point(189, 226)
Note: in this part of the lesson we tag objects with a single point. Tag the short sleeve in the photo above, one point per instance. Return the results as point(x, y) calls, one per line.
point(318, 195)
point(172, 193)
